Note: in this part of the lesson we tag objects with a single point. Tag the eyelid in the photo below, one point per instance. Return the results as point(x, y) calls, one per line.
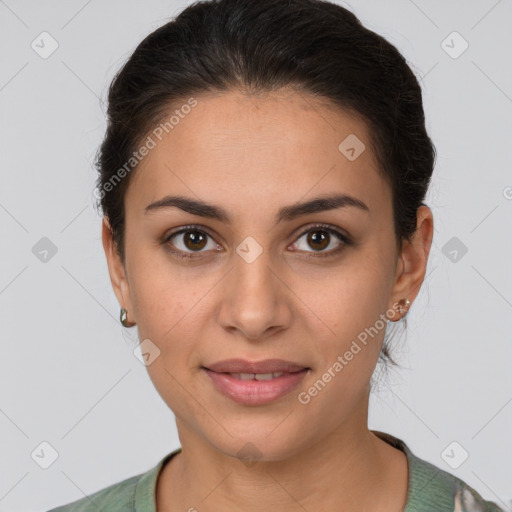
point(189, 227)
point(327, 227)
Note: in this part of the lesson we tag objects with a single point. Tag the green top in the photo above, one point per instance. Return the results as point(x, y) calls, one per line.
point(430, 489)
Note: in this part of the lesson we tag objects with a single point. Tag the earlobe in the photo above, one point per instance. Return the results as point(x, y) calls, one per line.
point(116, 267)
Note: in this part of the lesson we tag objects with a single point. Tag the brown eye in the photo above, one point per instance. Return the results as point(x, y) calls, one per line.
point(188, 241)
point(319, 238)
point(194, 240)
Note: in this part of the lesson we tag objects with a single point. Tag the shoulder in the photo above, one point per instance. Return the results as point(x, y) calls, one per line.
point(432, 488)
point(118, 497)
point(467, 499)
point(134, 493)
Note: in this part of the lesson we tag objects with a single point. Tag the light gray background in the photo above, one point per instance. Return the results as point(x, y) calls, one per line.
point(68, 373)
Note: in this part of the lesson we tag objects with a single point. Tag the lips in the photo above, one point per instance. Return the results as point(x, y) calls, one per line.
point(257, 382)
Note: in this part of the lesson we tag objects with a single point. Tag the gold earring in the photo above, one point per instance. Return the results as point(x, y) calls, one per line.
point(406, 303)
point(124, 318)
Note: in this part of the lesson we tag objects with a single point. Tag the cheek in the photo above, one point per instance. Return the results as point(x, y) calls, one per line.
point(349, 324)
point(347, 356)
point(349, 301)
point(167, 322)
point(162, 293)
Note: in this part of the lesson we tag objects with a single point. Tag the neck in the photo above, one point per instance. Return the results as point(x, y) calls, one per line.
point(352, 467)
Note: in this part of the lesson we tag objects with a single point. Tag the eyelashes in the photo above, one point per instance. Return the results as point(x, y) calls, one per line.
point(332, 235)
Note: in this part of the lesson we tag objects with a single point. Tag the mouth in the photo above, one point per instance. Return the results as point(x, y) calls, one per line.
point(256, 376)
point(256, 387)
point(264, 367)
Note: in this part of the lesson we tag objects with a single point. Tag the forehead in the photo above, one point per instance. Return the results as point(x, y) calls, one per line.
point(243, 151)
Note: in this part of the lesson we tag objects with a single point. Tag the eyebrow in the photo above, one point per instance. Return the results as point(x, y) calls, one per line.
point(286, 213)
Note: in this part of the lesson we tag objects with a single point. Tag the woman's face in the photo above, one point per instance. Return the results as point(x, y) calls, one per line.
point(265, 282)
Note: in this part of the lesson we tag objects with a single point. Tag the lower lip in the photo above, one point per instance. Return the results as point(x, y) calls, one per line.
point(256, 392)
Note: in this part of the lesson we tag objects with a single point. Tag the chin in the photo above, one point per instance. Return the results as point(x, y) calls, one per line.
point(264, 442)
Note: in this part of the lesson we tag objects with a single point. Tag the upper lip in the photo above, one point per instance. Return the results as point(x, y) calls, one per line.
point(243, 366)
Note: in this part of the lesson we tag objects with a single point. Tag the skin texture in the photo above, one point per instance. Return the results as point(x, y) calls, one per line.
point(252, 155)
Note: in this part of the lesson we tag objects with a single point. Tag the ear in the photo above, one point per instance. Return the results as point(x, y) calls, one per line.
point(412, 261)
point(116, 269)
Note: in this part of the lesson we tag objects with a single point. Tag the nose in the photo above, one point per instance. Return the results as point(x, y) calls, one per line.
point(255, 298)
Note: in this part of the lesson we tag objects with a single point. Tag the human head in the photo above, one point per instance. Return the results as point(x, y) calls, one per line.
point(258, 48)
point(326, 51)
